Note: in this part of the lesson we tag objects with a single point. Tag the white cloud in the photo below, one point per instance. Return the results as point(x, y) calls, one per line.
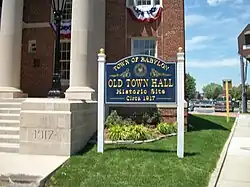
point(198, 42)
point(194, 19)
point(217, 2)
point(226, 62)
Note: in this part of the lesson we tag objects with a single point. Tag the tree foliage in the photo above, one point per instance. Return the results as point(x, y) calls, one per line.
point(190, 87)
point(212, 90)
point(237, 91)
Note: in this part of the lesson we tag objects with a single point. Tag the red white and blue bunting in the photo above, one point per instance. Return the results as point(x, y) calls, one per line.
point(146, 13)
point(65, 28)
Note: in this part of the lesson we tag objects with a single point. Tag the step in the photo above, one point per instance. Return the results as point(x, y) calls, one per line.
point(9, 123)
point(6, 138)
point(15, 100)
point(9, 116)
point(9, 147)
point(10, 110)
point(9, 130)
point(10, 105)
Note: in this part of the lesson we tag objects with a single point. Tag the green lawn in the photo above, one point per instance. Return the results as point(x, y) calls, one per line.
point(152, 164)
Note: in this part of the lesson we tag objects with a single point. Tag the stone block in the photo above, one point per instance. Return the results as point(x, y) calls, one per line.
point(56, 126)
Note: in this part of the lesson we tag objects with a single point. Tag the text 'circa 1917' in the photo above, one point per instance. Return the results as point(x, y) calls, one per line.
point(140, 79)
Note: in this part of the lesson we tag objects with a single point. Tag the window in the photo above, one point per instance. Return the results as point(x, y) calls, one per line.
point(65, 60)
point(143, 2)
point(68, 10)
point(67, 14)
point(143, 46)
point(247, 39)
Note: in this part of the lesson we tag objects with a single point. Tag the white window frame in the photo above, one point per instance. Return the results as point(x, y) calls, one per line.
point(65, 82)
point(131, 3)
point(144, 38)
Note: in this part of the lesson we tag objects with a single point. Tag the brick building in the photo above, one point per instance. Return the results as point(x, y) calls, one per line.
point(125, 34)
point(244, 43)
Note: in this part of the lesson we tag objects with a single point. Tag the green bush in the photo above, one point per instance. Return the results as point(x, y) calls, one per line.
point(167, 128)
point(152, 118)
point(139, 132)
point(115, 119)
point(116, 132)
point(135, 132)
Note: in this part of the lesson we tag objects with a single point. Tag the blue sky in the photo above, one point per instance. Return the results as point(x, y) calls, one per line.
point(212, 28)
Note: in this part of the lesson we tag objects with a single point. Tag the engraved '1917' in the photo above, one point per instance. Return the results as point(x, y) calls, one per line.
point(43, 134)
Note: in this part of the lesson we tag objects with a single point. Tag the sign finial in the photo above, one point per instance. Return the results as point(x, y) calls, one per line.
point(101, 51)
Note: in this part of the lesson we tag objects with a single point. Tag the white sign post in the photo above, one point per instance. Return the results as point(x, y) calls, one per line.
point(101, 104)
point(180, 103)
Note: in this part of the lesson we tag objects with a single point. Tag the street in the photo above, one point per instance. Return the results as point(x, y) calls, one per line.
point(211, 111)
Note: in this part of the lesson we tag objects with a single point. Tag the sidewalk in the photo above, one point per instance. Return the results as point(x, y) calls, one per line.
point(236, 168)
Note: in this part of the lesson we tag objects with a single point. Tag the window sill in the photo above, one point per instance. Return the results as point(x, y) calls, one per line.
point(245, 47)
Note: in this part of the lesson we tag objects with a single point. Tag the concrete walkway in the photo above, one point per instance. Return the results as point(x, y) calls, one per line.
point(29, 165)
point(236, 168)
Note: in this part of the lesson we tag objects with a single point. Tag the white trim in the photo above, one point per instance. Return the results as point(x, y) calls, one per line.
point(36, 25)
point(246, 47)
point(144, 38)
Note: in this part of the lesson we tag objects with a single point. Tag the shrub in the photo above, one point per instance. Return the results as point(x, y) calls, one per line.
point(152, 118)
point(128, 121)
point(115, 119)
point(136, 132)
point(139, 132)
point(167, 128)
point(116, 132)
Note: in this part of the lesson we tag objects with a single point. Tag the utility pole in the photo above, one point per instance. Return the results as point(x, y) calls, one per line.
point(243, 89)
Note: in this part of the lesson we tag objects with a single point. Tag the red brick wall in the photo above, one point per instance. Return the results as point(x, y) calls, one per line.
point(169, 115)
point(37, 11)
point(36, 81)
point(168, 30)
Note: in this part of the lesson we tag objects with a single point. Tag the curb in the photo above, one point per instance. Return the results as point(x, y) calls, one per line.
point(214, 178)
point(133, 141)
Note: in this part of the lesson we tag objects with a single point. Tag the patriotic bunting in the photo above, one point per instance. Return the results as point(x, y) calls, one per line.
point(146, 13)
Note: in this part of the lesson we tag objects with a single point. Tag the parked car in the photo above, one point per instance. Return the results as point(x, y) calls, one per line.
point(220, 105)
point(192, 104)
point(206, 104)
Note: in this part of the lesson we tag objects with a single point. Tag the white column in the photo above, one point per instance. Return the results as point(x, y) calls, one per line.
point(10, 47)
point(101, 102)
point(180, 103)
point(81, 50)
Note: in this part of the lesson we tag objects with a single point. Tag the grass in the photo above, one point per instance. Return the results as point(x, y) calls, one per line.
point(152, 164)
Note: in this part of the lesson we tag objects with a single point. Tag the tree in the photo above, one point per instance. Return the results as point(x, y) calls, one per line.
point(212, 90)
point(236, 92)
point(190, 87)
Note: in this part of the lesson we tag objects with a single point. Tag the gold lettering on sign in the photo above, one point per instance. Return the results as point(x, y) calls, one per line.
point(162, 83)
point(43, 134)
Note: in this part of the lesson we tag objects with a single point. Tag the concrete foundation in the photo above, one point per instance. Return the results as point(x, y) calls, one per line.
point(56, 126)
